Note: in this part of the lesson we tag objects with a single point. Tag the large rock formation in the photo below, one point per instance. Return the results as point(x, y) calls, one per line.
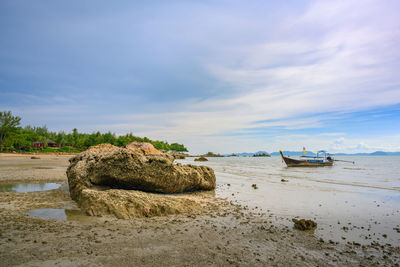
point(106, 179)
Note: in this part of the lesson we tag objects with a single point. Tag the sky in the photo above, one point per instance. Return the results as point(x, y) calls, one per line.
point(222, 76)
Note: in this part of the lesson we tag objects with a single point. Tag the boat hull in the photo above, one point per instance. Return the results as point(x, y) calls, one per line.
point(304, 163)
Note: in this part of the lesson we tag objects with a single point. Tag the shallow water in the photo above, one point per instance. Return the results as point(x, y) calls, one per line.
point(60, 215)
point(364, 198)
point(25, 188)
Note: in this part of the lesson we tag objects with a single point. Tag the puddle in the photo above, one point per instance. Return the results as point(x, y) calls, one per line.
point(25, 188)
point(60, 215)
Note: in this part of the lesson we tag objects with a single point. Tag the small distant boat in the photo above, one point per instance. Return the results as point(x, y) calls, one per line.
point(320, 160)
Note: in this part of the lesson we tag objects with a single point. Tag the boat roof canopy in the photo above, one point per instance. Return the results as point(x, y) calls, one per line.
point(322, 151)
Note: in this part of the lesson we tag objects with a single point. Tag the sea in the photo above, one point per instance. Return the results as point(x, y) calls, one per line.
point(357, 202)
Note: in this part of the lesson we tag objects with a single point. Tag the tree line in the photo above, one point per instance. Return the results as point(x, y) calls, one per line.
point(13, 137)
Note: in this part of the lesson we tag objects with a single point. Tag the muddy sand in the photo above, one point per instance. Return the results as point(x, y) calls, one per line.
point(225, 234)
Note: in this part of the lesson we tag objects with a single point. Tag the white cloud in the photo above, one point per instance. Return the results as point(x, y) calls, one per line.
point(345, 62)
point(337, 57)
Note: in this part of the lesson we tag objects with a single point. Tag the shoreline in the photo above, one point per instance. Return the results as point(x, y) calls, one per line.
point(227, 235)
point(44, 154)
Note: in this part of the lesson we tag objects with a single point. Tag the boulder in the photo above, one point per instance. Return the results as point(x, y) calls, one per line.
point(143, 148)
point(106, 179)
point(201, 159)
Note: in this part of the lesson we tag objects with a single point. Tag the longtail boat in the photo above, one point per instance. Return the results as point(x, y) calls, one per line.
point(320, 160)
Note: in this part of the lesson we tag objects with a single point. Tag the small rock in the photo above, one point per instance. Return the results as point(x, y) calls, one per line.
point(35, 157)
point(254, 186)
point(284, 180)
point(201, 159)
point(304, 224)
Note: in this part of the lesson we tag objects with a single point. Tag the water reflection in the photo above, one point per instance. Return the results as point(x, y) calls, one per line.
point(25, 188)
point(60, 215)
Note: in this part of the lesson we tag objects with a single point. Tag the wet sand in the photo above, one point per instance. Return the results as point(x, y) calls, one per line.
point(227, 235)
point(359, 203)
point(21, 168)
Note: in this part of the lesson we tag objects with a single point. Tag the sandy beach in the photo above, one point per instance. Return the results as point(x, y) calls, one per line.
point(227, 234)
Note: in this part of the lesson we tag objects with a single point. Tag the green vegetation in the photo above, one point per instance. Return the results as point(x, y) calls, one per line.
point(8, 124)
point(16, 138)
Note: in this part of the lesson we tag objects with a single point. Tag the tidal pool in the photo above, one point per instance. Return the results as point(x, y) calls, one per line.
point(60, 215)
point(25, 188)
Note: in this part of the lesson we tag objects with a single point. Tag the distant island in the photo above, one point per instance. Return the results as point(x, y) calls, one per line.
point(376, 153)
point(261, 155)
point(310, 153)
point(255, 154)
